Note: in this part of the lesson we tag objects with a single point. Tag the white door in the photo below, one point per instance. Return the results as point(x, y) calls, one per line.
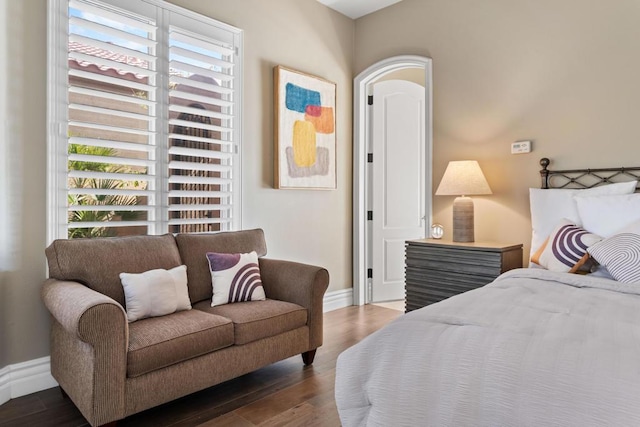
point(398, 182)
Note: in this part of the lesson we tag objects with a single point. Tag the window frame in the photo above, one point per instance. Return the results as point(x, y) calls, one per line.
point(58, 116)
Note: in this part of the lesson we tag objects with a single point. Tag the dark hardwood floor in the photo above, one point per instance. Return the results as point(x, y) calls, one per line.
point(283, 394)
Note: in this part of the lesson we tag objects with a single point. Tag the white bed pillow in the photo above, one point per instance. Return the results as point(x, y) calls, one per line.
point(607, 215)
point(549, 207)
point(155, 292)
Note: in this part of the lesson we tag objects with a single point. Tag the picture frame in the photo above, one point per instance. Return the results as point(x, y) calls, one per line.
point(304, 131)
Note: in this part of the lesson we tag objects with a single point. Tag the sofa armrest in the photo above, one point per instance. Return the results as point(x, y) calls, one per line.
point(84, 312)
point(90, 336)
point(300, 284)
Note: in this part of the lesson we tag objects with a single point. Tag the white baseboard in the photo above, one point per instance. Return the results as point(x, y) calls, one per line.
point(35, 375)
point(338, 299)
point(25, 378)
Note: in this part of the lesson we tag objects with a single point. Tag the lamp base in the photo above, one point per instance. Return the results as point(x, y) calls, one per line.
point(463, 220)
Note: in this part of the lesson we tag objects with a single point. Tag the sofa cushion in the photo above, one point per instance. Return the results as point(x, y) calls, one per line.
point(97, 263)
point(194, 246)
point(254, 320)
point(157, 342)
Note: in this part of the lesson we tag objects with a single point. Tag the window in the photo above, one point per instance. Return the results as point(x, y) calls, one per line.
point(144, 106)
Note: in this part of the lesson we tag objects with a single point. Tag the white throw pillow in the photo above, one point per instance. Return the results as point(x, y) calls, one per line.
point(155, 292)
point(606, 216)
point(549, 207)
point(235, 278)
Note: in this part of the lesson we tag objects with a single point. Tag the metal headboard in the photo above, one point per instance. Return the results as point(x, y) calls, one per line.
point(585, 178)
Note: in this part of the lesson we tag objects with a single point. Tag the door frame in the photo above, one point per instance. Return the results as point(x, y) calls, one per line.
point(362, 84)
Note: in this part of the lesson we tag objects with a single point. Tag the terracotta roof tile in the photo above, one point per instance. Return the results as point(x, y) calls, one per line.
point(107, 54)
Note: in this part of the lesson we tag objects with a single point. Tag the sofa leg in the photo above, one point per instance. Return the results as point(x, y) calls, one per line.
point(307, 357)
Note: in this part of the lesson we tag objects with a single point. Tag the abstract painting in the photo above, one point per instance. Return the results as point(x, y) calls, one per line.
point(305, 130)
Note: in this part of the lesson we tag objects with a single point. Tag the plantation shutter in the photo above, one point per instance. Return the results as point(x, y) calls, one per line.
point(200, 129)
point(151, 135)
point(112, 114)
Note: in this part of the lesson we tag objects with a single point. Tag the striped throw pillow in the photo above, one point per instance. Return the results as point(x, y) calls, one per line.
point(620, 254)
point(565, 250)
point(235, 278)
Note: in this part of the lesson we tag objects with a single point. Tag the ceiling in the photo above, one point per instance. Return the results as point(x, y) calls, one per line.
point(354, 9)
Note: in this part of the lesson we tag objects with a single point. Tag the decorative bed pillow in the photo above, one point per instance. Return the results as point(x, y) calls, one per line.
point(565, 250)
point(235, 278)
point(550, 206)
point(606, 216)
point(620, 254)
point(155, 292)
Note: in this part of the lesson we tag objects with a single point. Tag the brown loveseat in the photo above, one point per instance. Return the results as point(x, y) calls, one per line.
point(111, 368)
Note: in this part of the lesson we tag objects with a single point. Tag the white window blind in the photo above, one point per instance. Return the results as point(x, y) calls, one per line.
point(146, 104)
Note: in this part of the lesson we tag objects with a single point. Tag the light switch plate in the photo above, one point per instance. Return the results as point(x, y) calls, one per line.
point(521, 147)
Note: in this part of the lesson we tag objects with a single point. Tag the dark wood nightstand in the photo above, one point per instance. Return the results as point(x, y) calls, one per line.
point(438, 269)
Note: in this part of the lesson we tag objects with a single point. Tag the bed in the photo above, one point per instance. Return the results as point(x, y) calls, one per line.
point(539, 346)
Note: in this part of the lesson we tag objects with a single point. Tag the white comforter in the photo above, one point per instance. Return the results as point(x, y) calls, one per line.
point(533, 348)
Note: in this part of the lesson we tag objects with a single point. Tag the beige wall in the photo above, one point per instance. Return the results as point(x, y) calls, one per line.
point(562, 73)
point(24, 327)
point(306, 226)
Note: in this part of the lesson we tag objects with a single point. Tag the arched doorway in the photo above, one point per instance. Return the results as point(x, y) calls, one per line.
point(362, 89)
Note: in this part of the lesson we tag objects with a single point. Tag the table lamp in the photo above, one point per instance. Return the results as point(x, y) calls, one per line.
point(463, 178)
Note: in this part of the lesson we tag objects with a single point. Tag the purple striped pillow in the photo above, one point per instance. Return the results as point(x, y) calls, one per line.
point(620, 254)
point(565, 250)
point(235, 278)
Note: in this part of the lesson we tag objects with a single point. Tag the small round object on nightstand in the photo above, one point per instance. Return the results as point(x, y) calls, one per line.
point(437, 231)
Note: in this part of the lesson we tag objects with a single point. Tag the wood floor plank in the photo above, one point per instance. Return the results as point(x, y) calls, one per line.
point(292, 416)
point(311, 416)
point(323, 398)
point(286, 393)
point(228, 420)
point(284, 400)
point(59, 416)
point(318, 418)
point(16, 408)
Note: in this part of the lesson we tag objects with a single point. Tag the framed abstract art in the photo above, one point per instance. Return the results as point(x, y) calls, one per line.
point(305, 130)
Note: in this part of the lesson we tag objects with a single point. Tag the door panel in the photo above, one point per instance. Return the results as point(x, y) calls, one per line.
point(398, 181)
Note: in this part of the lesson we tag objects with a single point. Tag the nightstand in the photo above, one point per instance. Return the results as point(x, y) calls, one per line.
point(438, 269)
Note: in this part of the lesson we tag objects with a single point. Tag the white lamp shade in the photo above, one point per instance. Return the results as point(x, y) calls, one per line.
point(463, 178)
